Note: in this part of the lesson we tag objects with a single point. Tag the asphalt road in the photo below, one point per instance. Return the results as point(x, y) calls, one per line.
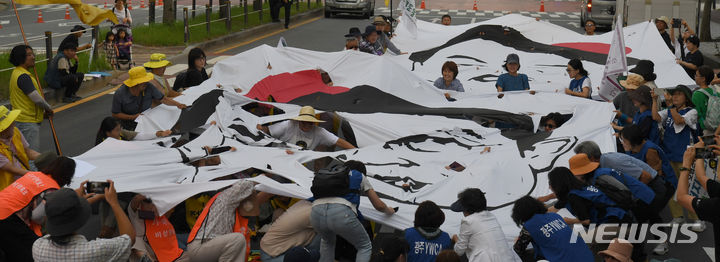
point(77, 126)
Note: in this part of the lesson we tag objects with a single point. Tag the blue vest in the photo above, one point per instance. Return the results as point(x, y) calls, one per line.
point(603, 207)
point(576, 85)
point(423, 249)
point(637, 188)
point(666, 168)
point(654, 134)
point(52, 76)
point(674, 144)
point(551, 239)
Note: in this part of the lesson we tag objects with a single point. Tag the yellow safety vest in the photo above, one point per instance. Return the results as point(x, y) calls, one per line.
point(29, 112)
point(6, 178)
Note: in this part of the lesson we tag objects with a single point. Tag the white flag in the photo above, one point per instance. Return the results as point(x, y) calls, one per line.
point(408, 17)
point(615, 65)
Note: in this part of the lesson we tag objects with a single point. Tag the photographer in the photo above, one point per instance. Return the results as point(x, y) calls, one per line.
point(705, 208)
point(685, 31)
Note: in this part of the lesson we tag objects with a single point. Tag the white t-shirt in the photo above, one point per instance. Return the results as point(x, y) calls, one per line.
point(691, 119)
point(289, 132)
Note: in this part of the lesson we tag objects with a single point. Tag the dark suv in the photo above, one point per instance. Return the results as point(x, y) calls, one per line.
point(600, 11)
point(364, 7)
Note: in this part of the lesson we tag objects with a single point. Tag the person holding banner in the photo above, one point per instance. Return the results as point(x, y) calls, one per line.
point(512, 80)
point(580, 84)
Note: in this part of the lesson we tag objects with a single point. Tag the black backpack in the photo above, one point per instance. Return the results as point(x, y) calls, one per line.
point(180, 81)
point(331, 181)
point(616, 191)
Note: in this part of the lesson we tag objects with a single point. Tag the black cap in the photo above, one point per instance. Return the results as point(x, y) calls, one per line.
point(473, 197)
point(694, 40)
point(77, 28)
point(369, 29)
point(686, 90)
point(354, 32)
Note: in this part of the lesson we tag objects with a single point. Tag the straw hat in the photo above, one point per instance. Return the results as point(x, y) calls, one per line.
point(633, 81)
point(580, 164)
point(619, 249)
point(157, 60)
point(307, 114)
point(7, 117)
point(137, 75)
point(665, 20)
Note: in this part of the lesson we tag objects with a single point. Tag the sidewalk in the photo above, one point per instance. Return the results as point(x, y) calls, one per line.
point(494, 5)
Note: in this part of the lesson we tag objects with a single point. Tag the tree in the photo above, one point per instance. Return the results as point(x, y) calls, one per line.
point(169, 12)
point(705, 22)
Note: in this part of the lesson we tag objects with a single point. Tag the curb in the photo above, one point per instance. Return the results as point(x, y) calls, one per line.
point(242, 35)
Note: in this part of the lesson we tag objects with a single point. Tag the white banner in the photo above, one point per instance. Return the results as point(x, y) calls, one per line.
point(409, 20)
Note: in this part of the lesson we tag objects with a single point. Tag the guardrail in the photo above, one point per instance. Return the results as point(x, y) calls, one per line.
point(48, 37)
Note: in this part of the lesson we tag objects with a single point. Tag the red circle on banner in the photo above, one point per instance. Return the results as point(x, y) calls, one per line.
point(600, 48)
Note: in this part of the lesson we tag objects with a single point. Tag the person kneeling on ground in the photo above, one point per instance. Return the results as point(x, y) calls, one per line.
point(426, 232)
point(221, 232)
point(554, 245)
point(154, 235)
point(62, 72)
point(15, 152)
point(67, 211)
point(481, 237)
point(292, 229)
point(302, 131)
point(23, 210)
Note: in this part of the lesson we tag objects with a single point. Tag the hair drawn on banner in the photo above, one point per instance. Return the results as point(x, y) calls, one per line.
point(515, 40)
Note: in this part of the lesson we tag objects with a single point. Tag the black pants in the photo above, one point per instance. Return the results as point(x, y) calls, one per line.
point(275, 10)
point(71, 83)
point(16, 239)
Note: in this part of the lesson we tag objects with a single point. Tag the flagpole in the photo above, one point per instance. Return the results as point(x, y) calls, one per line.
point(37, 79)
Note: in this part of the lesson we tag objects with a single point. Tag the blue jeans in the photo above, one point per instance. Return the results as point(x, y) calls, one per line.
point(31, 132)
point(264, 257)
point(330, 220)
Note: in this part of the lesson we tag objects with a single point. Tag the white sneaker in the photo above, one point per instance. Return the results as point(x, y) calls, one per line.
point(678, 220)
point(661, 249)
point(699, 226)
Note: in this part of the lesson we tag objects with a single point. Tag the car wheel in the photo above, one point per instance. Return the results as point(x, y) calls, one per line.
point(366, 15)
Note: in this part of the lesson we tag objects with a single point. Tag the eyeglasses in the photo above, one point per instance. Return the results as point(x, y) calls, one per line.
point(589, 25)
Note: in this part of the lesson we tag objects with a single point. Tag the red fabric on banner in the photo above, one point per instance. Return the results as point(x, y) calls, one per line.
point(287, 86)
point(600, 48)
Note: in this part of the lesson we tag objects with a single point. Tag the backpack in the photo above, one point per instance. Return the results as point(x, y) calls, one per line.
point(331, 182)
point(180, 81)
point(712, 116)
point(616, 191)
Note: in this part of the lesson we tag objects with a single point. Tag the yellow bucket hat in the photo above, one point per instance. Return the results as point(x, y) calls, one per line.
point(7, 117)
point(138, 75)
point(307, 114)
point(632, 82)
point(157, 60)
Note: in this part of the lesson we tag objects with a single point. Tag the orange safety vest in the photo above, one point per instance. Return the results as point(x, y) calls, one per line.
point(240, 226)
point(6, 178)
point(21, 192)
point(160, 235)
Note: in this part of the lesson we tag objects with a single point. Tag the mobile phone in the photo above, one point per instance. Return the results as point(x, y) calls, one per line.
point(457, 166)
point(146, 214)
point(676, 22)
point(708, 140)
point(96, 187)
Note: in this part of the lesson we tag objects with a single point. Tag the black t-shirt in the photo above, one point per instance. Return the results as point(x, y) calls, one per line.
point(195, 77)
point(708, 209)
point(666, 37)
point(25, 84)
point(580, 206)
point(16, 239)
point(695, 59)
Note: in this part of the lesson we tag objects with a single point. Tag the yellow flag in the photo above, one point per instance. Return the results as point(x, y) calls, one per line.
point(88, 14)
point(92, 15)
point(387, 3)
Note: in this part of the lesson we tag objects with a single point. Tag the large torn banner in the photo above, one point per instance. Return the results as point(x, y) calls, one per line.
point(544, 49)
point(407, 133)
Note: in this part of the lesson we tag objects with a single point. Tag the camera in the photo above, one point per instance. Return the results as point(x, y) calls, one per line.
point(676, 22)
point(708, 140)
point(703, 153)
point(96, 187)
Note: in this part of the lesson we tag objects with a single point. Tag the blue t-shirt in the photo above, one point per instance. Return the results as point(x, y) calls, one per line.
point(425, 250)
point(513, 83)
point(455, 85)
point(553, 239)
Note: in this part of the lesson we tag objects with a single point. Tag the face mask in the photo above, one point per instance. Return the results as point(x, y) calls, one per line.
point(38, 214)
